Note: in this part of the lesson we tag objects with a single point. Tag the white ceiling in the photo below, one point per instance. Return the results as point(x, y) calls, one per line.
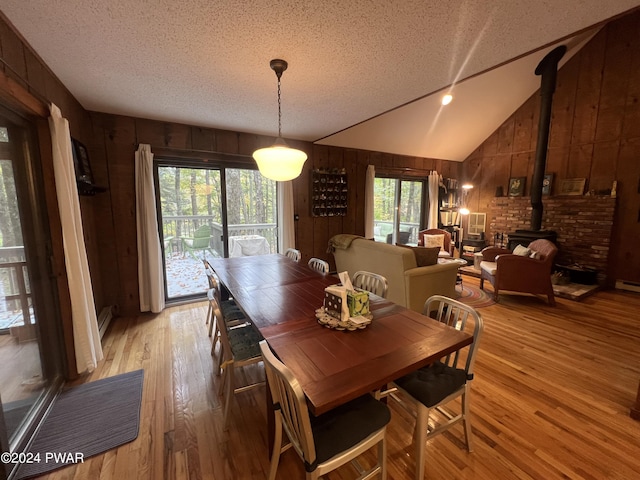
point(206, 63)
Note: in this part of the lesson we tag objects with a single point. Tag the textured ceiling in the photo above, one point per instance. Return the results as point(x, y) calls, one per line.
point(206, 62)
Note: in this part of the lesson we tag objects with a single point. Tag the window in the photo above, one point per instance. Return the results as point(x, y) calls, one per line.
point(210, 212)
point(398, 211)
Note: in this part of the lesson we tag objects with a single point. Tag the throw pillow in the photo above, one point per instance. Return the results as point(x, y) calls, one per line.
point(433, 240)
point(522, 251)
point(425, 256)
point(535, 255)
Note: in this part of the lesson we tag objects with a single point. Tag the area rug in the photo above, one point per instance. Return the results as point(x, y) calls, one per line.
point(473, 296)
point(87, 420)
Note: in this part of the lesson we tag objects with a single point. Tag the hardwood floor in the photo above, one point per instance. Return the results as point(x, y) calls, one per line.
point(550, 400)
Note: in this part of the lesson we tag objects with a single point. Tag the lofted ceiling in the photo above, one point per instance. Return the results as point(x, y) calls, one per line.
point(363, 74)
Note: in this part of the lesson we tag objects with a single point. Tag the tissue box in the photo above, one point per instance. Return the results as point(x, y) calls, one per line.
point(333, 298)
point(358, 302)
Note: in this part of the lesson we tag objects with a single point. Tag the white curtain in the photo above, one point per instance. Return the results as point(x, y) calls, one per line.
point(369, 201)
point(434, 182)
point(286, 234)
point(86, 334)
point(150, 279)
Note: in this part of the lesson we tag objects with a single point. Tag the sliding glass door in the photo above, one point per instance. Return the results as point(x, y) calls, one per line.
point(398, 212)
point(30, 364)
point(251, 213)
point(211, 212)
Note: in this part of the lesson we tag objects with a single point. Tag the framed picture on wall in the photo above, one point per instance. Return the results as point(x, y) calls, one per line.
point(572, 186)
point(516, 186)
point(81, 162)
point(546, 184)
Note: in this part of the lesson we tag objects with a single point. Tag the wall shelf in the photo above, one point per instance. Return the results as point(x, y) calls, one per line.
point(88, 189)
point(329, 192)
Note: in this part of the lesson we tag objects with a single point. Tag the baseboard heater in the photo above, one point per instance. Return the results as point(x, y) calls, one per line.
point(626, 285)
point(106, 314)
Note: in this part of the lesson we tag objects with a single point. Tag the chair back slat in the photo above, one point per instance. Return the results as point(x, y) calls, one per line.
point(371, 282)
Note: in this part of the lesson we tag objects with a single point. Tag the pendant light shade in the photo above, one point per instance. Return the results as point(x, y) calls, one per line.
point(279, 162)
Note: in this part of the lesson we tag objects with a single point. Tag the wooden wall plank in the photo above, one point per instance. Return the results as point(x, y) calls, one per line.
point(203, 139)
point(162, 134)
point(563, 105)
point(588, 90)
point(603, 166)
point(304, 225)
point(579, 164)
point(227, 141)
point(13, 54)
point(628, 213)
point(523, 123)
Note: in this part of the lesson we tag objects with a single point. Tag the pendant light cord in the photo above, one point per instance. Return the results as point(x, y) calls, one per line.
point(279, 111)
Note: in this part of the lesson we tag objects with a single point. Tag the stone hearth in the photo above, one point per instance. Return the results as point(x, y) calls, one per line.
point(583, 225)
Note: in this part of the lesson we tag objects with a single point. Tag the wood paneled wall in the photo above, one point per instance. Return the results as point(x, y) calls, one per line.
point(112, 151)
point(595, 134)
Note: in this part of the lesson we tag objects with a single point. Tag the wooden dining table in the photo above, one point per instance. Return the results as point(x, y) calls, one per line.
point(280, 298)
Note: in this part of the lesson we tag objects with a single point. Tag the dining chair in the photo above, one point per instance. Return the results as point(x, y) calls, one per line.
point(212, 284)
point(293, 254)
point(371, 282)
point(319, 265)
point(230, 315)
point(240, 348)
point(327, 441)
point(430, 388)
point(207, 265)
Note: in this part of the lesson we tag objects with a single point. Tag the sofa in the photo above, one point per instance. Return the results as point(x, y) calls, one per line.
point(409, 285)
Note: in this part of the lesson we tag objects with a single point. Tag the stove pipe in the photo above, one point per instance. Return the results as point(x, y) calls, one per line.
point(547, 69)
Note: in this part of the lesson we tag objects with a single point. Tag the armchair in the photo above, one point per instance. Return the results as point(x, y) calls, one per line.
point(516, 273)
point(446, 243)
point(200, 241)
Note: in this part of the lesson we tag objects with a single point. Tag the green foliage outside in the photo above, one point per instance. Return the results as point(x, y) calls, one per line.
point(10, 230)
point(410, 204)
point(251, 198)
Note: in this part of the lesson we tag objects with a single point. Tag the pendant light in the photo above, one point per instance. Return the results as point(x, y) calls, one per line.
point(279, 162)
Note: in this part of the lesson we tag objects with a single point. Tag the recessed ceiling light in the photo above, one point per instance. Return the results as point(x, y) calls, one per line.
point(446, 99)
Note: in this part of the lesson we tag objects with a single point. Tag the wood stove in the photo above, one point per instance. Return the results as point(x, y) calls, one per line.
point(547, 69)
point(525, 237)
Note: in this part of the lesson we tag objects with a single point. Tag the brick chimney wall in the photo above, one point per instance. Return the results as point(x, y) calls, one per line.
point(583, 225)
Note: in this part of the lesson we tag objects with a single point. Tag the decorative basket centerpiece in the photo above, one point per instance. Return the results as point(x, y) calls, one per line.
point(344, 309)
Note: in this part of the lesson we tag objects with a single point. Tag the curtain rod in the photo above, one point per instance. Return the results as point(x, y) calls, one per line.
point(408, 169)
point(187, 152)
